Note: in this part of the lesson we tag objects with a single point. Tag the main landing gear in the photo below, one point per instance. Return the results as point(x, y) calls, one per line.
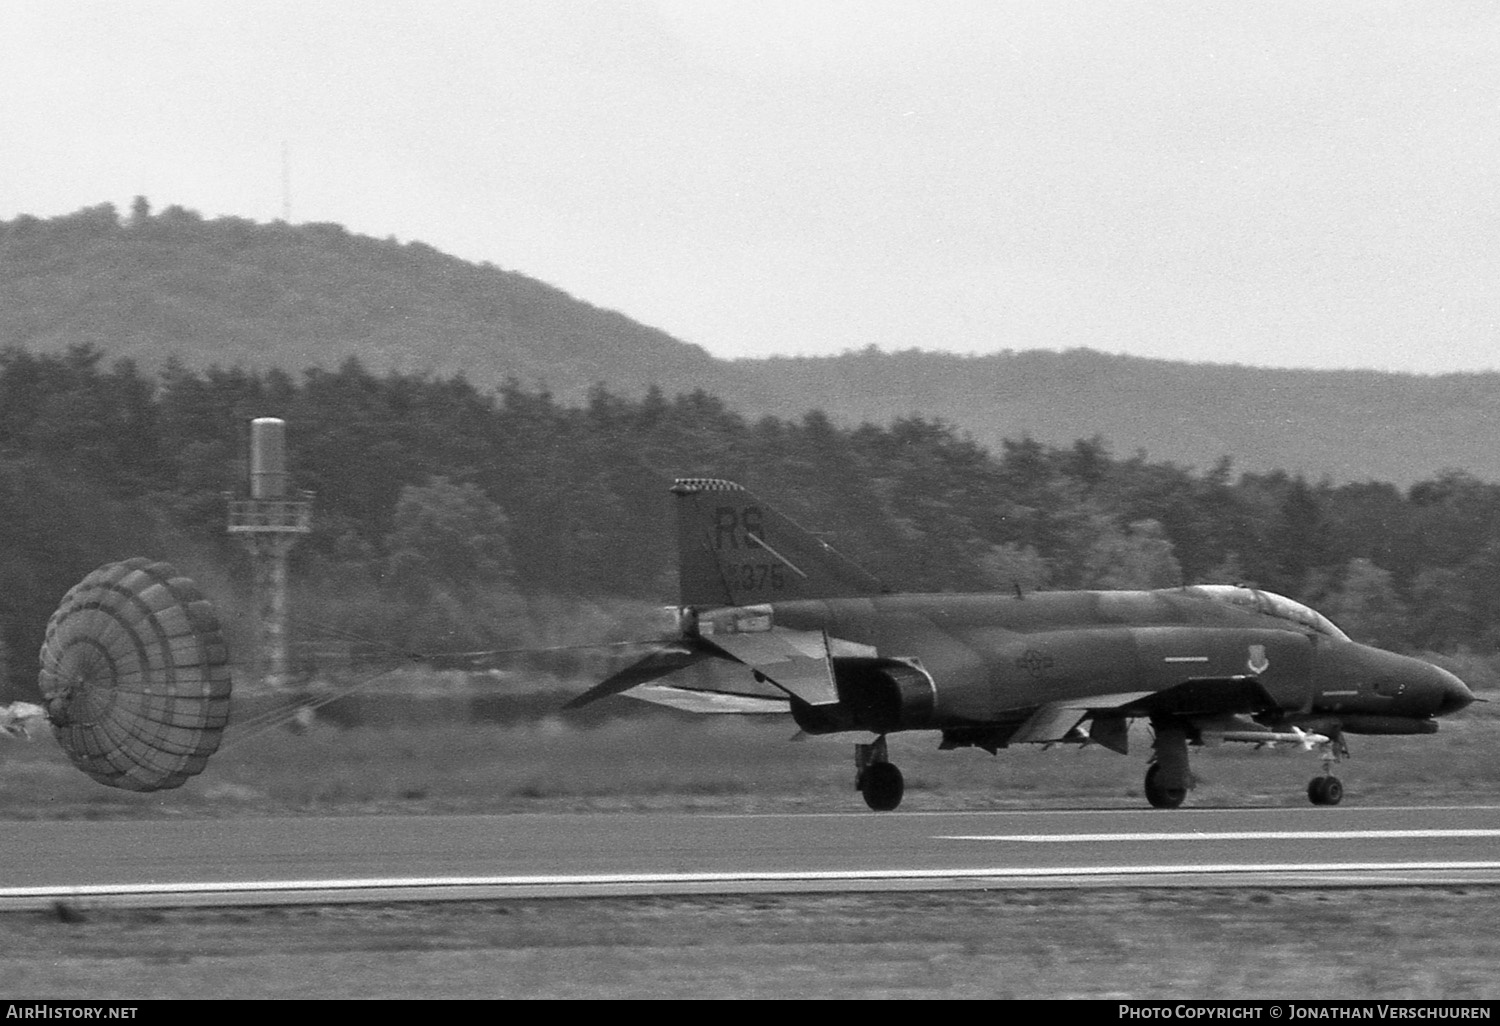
point(1161, 794)
point(1168, 778)
point(876, 777)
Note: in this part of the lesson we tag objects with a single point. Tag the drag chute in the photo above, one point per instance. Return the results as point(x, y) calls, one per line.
point(135, 676)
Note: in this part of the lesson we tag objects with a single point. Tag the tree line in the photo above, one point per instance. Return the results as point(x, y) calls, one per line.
point(228, 291)
point(448, 517)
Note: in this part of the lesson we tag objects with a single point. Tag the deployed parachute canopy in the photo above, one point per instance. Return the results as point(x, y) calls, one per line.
point(135, 675)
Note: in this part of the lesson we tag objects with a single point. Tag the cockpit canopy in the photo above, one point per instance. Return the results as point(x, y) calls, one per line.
point(1270, 604)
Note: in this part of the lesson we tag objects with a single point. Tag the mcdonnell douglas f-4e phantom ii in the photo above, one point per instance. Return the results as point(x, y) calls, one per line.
point(783, 623)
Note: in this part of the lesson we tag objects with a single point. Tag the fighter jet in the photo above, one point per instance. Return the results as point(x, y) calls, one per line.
point(771, 619)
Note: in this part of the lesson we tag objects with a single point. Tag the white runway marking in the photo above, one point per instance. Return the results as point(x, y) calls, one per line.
point(1222, 835)
point(501, 883)
point(1139, 812)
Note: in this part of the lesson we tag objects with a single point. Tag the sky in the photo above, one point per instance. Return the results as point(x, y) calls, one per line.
point(1282, 184)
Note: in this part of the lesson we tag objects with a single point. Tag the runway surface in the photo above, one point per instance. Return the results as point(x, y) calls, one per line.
point(386, 858)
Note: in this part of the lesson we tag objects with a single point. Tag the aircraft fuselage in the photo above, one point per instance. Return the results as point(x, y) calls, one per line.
point(773, 619)
point(942, 661)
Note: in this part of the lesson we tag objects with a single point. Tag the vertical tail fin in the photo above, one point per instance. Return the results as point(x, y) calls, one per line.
point(734, 550)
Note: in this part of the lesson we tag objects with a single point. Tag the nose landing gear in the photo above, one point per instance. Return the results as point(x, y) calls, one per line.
point(1328, 789)
point(1325, 790)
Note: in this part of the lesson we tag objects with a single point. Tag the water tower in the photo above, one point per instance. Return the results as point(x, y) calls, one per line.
point(269, 523)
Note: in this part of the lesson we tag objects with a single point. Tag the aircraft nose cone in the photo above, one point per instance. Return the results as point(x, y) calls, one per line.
point(1454, 694)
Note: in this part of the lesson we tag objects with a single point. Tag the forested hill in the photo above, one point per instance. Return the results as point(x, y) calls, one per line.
point(230, 292)
point(1346, 425)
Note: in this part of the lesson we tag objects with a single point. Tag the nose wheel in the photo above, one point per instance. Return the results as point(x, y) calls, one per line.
point(1328, 789)
point(876, 777)
point(1325, 791)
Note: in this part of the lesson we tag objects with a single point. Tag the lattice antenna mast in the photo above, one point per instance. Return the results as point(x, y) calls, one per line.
point(270, 522)
point(286, 184)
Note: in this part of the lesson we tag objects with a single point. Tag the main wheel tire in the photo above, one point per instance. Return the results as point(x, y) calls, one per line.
point(1158, 794)
point(882, 785)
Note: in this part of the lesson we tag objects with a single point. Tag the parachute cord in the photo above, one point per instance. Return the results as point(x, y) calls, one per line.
point(474, 658)
point(284, 714)
point(281, 715)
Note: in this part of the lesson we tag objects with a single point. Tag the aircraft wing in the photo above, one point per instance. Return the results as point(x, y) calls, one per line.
point(1063, 720)
point(798, 662)
point(1059, 721)
point(658, 663)
point(694, 700)
point(1205, 696)
point(701, 680)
